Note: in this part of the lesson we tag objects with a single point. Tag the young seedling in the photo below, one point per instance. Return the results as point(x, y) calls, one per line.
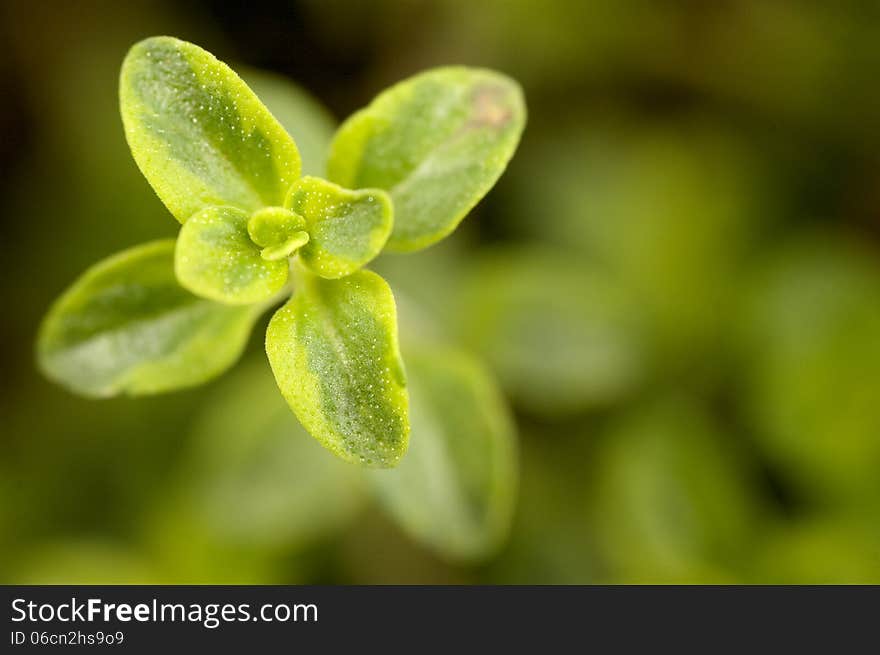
point(402, 173)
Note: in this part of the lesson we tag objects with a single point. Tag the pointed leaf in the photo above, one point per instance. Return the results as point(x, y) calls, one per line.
point(346, 228)
point(437, 142)
point(197, 132)
point(216, 259)
point(454, 490)
point(127, 326)
point(334, 351)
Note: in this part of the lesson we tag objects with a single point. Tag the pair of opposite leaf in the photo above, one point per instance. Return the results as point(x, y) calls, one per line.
point(403, 172)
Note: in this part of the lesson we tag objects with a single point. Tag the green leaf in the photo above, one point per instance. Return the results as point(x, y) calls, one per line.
point(809, 354)
point(197, 132)
point(673, 496)
point(216, 259)
point(562, 337)
point(672, 210)
point(346, 228)
point(301, 115)
point(126, 326)
point(437, 142)
point(278, 231)
point(454, 490)
point(333, 348)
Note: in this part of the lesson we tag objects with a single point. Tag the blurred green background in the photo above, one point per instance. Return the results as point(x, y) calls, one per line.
point(676, 283)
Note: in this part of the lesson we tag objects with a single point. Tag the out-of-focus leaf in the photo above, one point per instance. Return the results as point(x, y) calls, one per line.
point(561, 44)
point(455, 488)
point(216, 259)
point(127, 326)
point(820, 551)
point(197, 132)
point(669, 211)
point(672, 500)
point(430, 282)
point(825, 53)
point(403, 560)
point(550, 542)
point(560, 336)
point(334, 351)
point(78, 562)
point(253, 495)
point(255, 477)
point(437, 142)
point(811, 351)
point(346, 228)
point(304, 118)
point(188, 553)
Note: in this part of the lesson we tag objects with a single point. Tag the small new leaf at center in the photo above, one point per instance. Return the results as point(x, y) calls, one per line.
point(286, 249)
point(278, 231)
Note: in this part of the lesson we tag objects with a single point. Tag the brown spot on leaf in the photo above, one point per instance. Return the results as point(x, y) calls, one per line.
point(490, 107)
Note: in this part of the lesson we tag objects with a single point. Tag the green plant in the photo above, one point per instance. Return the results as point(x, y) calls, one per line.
point(248, 458)
point(402, 173)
